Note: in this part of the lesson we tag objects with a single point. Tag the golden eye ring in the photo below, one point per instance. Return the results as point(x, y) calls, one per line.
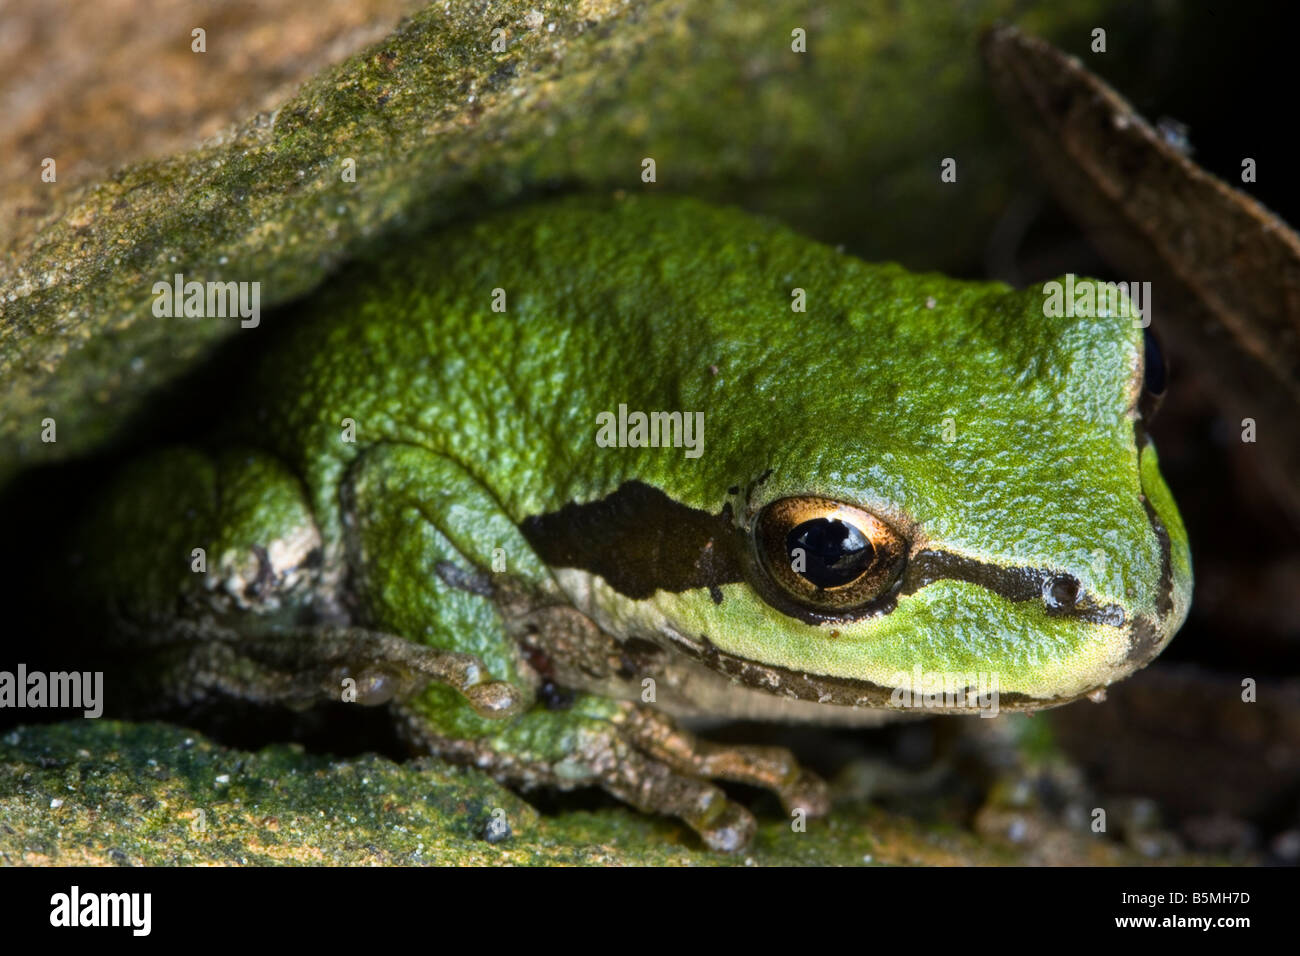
point(828, 555)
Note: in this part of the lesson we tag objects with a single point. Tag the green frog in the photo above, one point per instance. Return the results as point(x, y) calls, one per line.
point(550, 485)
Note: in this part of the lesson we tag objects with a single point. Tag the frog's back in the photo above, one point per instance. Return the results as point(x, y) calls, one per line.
point(501, 342)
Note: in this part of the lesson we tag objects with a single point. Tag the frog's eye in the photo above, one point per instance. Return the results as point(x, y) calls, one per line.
point(828, 555)
point(1153, 375)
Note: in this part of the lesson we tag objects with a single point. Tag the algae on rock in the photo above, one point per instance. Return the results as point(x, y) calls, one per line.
point(467, 106)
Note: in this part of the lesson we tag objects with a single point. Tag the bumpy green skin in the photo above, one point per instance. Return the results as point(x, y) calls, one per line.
point(468, 421)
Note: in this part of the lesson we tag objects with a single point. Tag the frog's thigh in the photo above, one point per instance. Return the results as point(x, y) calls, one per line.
point(229, 534)
point(260, 623)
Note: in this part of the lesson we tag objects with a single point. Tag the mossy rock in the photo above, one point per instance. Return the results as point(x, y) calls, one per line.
point(842, 141)
point(109, 793)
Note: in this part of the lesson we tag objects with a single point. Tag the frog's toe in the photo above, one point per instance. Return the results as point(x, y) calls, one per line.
point(770, 768)
point(655, 787)
point(496, 700)
point(808, 793)
point(732, 831)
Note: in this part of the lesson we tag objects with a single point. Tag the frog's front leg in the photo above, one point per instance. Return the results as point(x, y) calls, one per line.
point(771, 768)
point(422, 536)
point(639, 756)
point(588, 745)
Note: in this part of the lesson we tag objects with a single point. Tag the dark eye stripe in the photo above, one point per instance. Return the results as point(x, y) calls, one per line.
point(1060, 592)
point(641, 541)
point(1165, 601)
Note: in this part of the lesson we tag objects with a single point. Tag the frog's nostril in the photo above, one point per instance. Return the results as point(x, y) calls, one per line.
point(1060, 593)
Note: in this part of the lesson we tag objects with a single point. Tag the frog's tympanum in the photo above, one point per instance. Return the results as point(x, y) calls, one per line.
point(547, 484)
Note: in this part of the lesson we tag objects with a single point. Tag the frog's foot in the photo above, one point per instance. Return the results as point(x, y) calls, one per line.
point(304, 666)
point(640, 757)
point(771, 768)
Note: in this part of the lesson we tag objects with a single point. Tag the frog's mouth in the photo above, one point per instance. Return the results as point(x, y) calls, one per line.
point(824, 689)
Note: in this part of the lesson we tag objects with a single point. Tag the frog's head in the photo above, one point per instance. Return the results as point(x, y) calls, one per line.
point(946, 486)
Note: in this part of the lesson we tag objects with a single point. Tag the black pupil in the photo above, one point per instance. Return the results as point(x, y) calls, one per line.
point(834, 552)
